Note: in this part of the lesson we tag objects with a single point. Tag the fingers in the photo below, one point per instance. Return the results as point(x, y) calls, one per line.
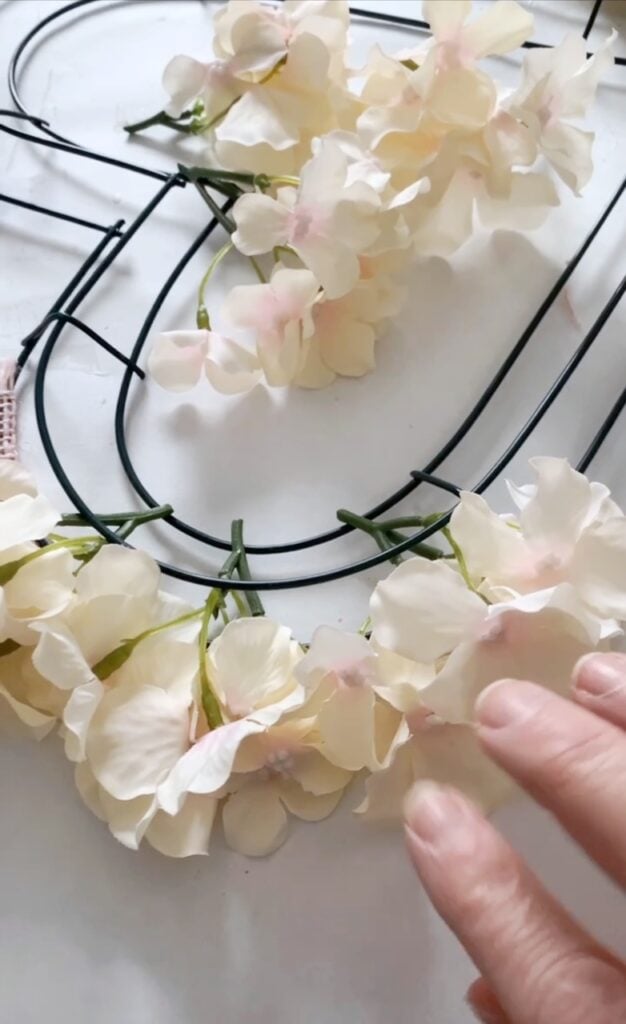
point(600, 684)
point(486, 1007)
point(570, 760)
point(542, 968)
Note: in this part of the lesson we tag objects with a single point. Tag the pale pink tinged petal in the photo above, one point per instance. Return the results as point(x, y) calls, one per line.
point(463, 98)
point(128, 819)
point(423, 609)
point(332, 651)
point(254, 820)
point(445, 17)
point(24, 518)
point(346, 725)
point(183, 80)
point(350, 354)
point(17, 718)
point(317, 775)
point(509, 142)
point(295, 290)
point(206, 767)
point(489, 545)
point(564, 601)
point(313, 372)
point(248, 305)
point(259, 117)
point(186, 834)
point(528, 202)
point(356, 223)
point(118, 571)
point(77, 716)
point(135, 738)
point(229, 367)
point(176, 359)
point(558, 510)
point(307, 806)
point(251, 664)
point(543, 646)
point(443, 229)
point(14, 479)
point(58, 658)
point(262, 223)
point(89, 789)
point(569, 151)
point(598, 567)
point(503, 27)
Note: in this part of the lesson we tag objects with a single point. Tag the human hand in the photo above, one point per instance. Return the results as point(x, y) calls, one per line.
point(538, 966)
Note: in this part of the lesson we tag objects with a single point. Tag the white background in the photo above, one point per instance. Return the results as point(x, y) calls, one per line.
point(334, 927)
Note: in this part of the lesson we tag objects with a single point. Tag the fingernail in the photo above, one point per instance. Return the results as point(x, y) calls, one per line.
point(429, 810)
point(600, 675)
point(508, 702)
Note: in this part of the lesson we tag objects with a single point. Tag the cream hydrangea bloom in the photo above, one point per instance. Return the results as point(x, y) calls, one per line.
point(270, 128)
point(569, 532)
point(41, 585)
point(256, 37)
point(326, 222)
point(279, 315)
point(559, 85)
point(250, 667)
point(277, 771)
point(178, 358)
point(425, 611)
point(503, 27)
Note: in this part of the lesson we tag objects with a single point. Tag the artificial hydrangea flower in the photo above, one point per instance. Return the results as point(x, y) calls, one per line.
point(503, 27)
point(256, 37)
point(34, 584)
point(569, 532)
point(425, 611)
point(327, 223)
point(279, 315)
point(178, 359)
point(558, 86)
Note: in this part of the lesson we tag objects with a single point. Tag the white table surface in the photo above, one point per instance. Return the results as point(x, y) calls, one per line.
point(334, 927)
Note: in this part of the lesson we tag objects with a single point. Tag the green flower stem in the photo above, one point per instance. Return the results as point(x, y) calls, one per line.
point(259, 273)
point(210, 702)
point(81, 546)
point(284, 179)
point(390, 536)
point(227, 222)
point(243, 569)
point(116, 658)
point(162, 118)
point(120, 518)
point(202, 316)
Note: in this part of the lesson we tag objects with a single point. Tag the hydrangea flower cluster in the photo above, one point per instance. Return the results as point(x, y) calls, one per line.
point(342, 177)
point(173, 722)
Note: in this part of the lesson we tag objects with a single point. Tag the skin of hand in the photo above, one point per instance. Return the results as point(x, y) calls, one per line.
point(537, 965)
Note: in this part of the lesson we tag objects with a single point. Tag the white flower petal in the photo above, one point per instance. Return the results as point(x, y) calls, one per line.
point(229, 367)
point(19, 718)
point(346, 725)
point(176, 359)
point(14, 479)
point(135, 738)
point(128, 819)
point(206, 767)
point(598, 567)
point(183, 79)
point(24, 518)
point(251, 664)
point(489, 545)
point(559, 506)
point(445, 17)
point(423, 609)
point(308, 806)
point(77, 716)
point(501, 28)
point(59, 659)
point(262, 223)
point(186, 834)
point(119, 571)
point(254, 820)
point(317, 775)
